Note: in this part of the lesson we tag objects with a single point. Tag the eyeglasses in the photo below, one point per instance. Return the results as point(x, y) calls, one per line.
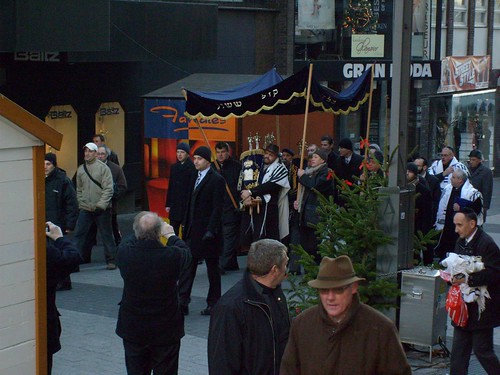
point(338, 291)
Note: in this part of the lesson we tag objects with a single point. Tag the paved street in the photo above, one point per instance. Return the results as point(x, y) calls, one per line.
point(89, 311)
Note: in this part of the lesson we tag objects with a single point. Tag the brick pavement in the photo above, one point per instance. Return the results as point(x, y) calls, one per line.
point(91, 347)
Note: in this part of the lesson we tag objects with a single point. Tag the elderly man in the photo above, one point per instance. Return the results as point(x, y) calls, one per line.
point(250, 323)
point(272, 220)
point(481, 178)
point(99, 140)
point(150, 320)
point(457, 195)
point(94, 190)
point(477, 335)
point(342, 335)
point(443, 168)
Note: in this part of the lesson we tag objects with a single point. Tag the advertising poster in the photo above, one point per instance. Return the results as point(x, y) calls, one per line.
point(464, 73)
point(64, 119)
point(316, 14)
point(110, 122)
point(165, 125)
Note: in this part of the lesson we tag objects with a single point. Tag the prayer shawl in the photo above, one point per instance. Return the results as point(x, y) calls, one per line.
point(468, 192)
point(278, 173)
point(437, 168)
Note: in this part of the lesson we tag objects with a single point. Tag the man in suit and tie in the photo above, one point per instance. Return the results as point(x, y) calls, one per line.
point(347, 166)
point(203, 229)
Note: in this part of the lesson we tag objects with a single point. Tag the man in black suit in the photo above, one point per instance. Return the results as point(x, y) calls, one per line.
point(231, 217)
point(203, 229)
point(433, 183)
point(327, 145)
point(150, 321)
point(347, 165)
point(182, 175)
point(481, 178)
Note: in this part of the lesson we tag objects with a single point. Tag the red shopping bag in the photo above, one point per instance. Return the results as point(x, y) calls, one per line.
point(456, 307)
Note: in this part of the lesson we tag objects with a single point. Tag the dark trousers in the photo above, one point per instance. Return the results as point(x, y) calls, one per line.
point(187, 278)
point(231, 232)
point(176, 224)
point(49, 364)
point(142, 359)
point(481, 341)
point(103, 222)
point(310, 242)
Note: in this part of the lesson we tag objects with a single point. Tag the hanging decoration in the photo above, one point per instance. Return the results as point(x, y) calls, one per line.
point(359, 18)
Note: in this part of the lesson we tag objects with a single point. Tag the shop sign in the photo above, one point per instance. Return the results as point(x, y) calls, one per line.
point(464, 73)
point(383, 70)
point(367, 45)
point(38, 56)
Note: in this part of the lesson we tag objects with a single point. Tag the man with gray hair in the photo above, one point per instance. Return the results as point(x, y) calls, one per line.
point(150, 320)
point(249, 325)
point(455, 196)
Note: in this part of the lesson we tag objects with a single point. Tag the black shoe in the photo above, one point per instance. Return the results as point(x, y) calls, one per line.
point(207, 311)
point(185, 310)
point(64, 285)
point(231, 268)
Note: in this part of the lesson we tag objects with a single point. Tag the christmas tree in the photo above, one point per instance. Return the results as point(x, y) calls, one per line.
point(359, 18)
point(352, 229)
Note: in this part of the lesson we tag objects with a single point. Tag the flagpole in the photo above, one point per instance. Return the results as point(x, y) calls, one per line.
point(216, 162)
point(368, 120)
point(306, 113)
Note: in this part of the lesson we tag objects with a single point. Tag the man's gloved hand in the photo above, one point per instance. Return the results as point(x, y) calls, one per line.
point(98, 211)
point(208, 236)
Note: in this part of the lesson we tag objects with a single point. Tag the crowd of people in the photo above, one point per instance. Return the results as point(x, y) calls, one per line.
point(217, 206)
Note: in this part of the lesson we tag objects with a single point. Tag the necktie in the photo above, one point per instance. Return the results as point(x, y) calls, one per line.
point(197, 180)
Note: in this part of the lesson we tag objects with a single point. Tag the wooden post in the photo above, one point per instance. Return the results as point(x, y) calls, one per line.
point(306, 113)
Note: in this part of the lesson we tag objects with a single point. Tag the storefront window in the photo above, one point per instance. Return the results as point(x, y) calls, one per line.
point(496, 19)
point(465, 121)
point(460, 18)
point(480, 13)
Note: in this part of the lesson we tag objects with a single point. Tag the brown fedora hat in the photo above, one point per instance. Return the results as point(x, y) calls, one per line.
point(334, 273)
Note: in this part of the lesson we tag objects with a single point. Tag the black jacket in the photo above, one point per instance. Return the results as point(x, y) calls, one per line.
point(347, 171)
point(241, 337)
point(61, 205)
point(204, 214)
point(182, 177)
point(230, 170)
point(62, 258)
point(483, 245)
point(435, 189)
point(322, 181)
point(149, 309)
point(482, 179)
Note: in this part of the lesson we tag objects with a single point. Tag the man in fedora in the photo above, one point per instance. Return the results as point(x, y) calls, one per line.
point(342, 335)
point(272, 219)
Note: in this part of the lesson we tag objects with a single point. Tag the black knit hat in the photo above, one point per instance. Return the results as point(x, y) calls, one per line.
point(204, 152)
point(476, 154)
point(321, 153)
point(412, 167)
point(346, 143)
point(184, 147)
point(288, 150)
point(52, 158)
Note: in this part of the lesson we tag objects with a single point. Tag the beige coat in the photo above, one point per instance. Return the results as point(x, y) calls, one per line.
point(90, 196)
point(366, 342)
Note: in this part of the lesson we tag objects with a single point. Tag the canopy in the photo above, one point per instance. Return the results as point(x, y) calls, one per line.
point(283, 97)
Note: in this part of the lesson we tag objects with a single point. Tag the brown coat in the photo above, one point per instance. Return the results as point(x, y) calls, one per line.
point(366, 342)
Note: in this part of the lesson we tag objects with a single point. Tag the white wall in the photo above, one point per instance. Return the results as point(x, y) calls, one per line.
point(17, 276)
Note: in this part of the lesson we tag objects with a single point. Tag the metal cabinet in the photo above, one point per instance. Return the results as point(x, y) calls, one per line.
point(423, 317)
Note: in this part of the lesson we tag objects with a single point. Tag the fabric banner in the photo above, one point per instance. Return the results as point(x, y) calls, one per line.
point(464, 73)
point(316, 14)
point(287, 97)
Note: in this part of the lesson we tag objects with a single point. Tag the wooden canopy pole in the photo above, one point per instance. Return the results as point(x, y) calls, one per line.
point(306, 113)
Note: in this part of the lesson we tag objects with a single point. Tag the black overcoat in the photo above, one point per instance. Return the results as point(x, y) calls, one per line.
point(204, 215)
point(182, 176)
point(149, 309)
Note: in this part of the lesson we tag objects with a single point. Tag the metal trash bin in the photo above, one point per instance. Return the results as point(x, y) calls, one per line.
point(423, 319)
